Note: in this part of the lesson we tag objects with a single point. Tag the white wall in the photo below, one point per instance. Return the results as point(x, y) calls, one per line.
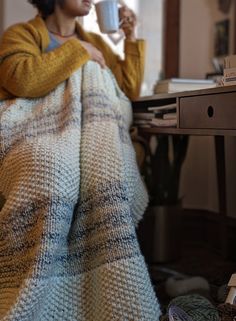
point(1, 16)
point(150, 23)
point(16, 11)
point(198, 18)
point(195, 47)
point(199, 180)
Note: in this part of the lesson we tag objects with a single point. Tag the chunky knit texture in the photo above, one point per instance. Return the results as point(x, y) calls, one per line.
point(68, 247)
point(26, 70)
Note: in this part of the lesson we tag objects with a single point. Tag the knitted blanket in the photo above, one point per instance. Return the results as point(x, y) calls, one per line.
point(68, 248)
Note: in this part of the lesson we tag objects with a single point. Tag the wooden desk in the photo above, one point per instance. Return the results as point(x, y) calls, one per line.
point(210, 112)
point(200, 112)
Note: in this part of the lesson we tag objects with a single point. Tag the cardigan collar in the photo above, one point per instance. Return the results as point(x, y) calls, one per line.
point(40, 25)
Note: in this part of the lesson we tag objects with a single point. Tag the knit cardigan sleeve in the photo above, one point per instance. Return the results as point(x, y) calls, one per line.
point(129, 71)
point(27, 72)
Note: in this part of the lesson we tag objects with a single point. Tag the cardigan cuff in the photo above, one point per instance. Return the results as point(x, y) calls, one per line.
point(135, 48)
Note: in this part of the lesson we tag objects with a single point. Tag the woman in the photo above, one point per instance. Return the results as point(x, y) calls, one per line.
point(37, 56)
point(68, 247)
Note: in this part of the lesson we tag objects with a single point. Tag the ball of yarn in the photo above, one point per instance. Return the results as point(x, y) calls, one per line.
point(192, 308)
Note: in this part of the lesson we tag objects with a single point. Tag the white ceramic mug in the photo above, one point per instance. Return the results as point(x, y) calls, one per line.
point(107, 15)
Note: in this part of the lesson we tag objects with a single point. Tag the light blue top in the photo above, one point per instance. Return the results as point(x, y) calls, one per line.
point(54, 43)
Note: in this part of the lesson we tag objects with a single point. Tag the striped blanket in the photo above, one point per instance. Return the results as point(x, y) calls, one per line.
point(68, 248)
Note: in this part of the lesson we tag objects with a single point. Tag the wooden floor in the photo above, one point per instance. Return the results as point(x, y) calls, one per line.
point(194, 261)
point(198, 257)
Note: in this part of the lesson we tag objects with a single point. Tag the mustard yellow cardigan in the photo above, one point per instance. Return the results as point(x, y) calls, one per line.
point(26, 70)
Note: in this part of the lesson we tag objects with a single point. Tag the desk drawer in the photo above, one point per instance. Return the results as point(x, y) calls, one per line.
point(208, 111)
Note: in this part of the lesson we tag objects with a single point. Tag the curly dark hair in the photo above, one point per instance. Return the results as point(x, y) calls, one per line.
point(45, 7)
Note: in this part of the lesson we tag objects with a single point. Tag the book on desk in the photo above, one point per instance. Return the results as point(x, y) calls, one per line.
point(173, 85)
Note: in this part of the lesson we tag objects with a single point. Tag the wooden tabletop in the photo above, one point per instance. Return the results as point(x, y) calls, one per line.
point(200, 92)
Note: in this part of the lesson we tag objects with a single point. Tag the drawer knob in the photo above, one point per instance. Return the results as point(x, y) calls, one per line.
point(210, 111)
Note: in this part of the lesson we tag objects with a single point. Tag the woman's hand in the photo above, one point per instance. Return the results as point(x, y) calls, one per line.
point(94, 53)
point(128, 22)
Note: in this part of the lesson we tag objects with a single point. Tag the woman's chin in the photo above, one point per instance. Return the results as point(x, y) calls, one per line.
point(79, 13)
point(82, 13)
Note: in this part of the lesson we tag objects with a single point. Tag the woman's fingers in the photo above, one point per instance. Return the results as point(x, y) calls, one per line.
point(127, 15)
point(127, 25)
point(100, 59)
point(128, 22)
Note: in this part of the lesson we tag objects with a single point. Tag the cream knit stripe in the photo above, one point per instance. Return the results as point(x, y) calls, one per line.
point(113, 140)
point(93, 296)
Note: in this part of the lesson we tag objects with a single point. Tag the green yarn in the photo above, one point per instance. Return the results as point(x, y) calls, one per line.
point(192, 307)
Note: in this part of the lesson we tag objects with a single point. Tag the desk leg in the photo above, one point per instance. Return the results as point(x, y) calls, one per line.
point(221, 180)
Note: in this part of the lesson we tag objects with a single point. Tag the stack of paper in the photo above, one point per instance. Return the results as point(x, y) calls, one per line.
point(160, 116)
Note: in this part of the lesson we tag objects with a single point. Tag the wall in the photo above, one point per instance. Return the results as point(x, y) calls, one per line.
point(197, 36)
point(150, 22)
point(194, 47)
point(1, 16)
point(199, 182)
point(16, 11)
